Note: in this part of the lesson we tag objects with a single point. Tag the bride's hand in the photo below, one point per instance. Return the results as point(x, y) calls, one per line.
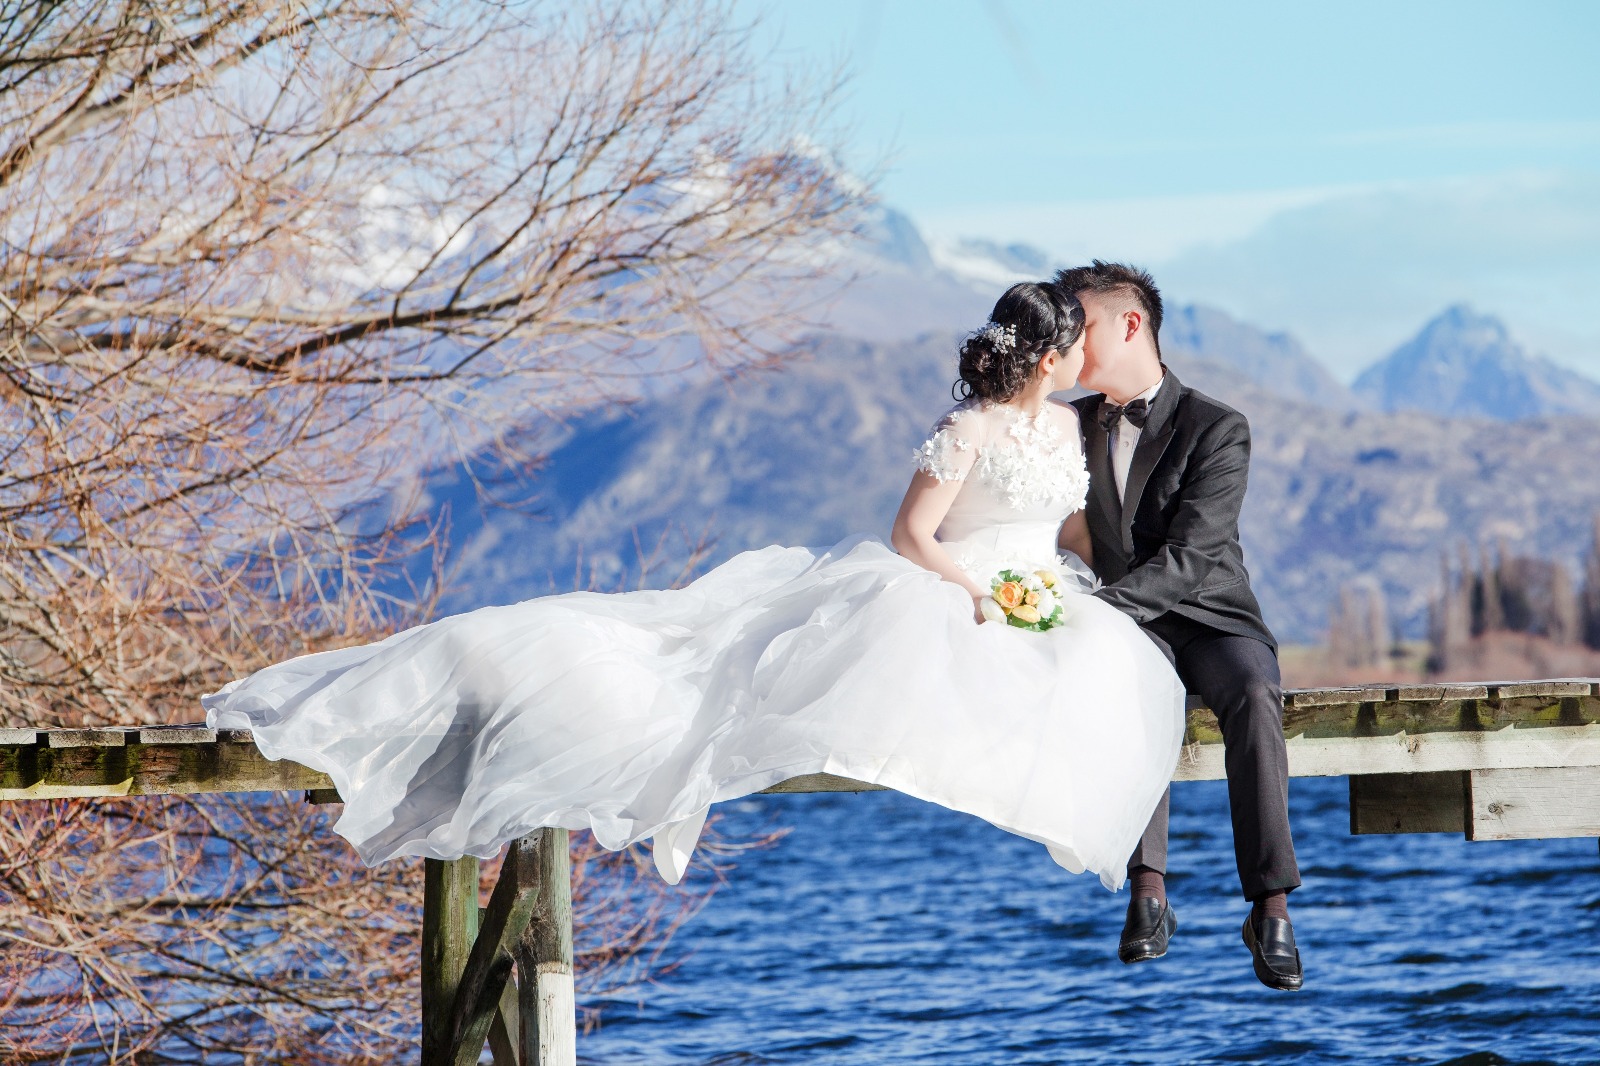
point(977, 607)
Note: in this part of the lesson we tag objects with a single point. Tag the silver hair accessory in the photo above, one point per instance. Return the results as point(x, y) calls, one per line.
point(1000, 339)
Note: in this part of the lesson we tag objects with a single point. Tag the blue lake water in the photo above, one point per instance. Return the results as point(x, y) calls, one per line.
point(885, 930)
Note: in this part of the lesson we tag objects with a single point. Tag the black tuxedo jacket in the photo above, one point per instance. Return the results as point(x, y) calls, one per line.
point(1172, 546)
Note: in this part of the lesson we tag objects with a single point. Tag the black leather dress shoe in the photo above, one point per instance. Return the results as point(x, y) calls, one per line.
point(1272, 950)
point(1146, 931)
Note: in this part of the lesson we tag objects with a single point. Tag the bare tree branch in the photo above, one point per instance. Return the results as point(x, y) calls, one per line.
point(260, 261)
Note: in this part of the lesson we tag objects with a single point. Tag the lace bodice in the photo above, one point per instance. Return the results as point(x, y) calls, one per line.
point(1022, 476)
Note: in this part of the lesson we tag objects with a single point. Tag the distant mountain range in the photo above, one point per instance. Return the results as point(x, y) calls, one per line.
point(1465, 363)
point(1379, 480)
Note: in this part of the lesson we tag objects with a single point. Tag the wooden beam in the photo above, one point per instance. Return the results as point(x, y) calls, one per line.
point(488, 967)
point(505, 1033)
point(449, 927)
point(1533, 804)
point(1369, 721)
point(504, 1038)
point(1408, 803)
point(544, 963)
point(152, 760)
point(1403, 753)
point(1418, 709)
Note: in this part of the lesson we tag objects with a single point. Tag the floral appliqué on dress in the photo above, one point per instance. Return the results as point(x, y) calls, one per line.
point(938, 455)
point(1028, 468)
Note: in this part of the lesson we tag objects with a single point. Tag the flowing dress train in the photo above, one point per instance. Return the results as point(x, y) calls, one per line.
point(629, 714)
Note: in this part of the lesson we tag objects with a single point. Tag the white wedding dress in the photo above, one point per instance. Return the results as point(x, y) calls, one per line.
point(629, 714)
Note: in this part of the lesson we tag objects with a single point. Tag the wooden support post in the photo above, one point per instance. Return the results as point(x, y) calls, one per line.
point(488, 968)
point(544, 963)
point(449, 926)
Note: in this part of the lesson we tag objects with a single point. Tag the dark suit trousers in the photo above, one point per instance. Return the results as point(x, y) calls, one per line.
point(1238, 678)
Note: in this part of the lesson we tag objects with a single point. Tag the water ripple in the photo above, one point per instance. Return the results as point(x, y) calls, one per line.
point(885, 931)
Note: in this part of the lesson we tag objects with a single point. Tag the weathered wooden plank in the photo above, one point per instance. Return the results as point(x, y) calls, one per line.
point(177, 734)
point(19, 736)
point(1320, 697)
point(1403, 753)
point(544, 963)
point(1438, 693)
point(449, 926)
point(1408, 803)
point(1572, 687)
point(489, 965)
point(1561, 686)
point(1524, 804)
point(88, 738)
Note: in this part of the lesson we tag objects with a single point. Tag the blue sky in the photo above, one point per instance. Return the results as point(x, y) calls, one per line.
point(1341, 171)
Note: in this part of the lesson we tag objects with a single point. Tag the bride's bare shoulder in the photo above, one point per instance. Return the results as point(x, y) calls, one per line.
point(968, 415)
point(1064, 409)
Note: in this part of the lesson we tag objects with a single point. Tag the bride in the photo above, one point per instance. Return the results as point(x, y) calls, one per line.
point(629, 714)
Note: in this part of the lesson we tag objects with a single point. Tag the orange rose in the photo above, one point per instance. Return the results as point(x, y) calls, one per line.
point(1026, 613)
point(1009, 595)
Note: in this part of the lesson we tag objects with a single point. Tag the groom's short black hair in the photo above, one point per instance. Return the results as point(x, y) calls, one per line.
point(1122, 282)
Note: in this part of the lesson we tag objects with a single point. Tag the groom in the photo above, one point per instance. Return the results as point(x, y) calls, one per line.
point(1167, 470)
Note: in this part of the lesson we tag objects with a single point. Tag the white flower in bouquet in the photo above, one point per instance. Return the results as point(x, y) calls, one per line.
point(1024, 600)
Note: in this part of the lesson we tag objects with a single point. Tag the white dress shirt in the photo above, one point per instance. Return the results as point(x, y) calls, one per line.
point(1124, 439)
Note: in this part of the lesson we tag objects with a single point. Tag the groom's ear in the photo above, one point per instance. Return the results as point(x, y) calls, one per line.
point(1133, 320)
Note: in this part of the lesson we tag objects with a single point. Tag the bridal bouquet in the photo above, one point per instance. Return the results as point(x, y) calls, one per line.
point(1027, 601)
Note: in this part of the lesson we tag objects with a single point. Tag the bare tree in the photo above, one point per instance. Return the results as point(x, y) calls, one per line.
point(1537, 597)
point(257, 260)
point(1488, 605)
point(1589, 604)
point(1359, 633)
point(1450, 615)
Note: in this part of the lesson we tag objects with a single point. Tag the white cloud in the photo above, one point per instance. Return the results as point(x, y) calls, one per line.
point(1356, 274)
point(1351, 270)
point(1143, 229)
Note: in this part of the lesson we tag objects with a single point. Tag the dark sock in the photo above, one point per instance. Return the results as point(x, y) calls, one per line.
point(1270, 905)
point(1147, 883)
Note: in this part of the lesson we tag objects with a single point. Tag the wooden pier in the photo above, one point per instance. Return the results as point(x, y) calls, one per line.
point(1491, 761)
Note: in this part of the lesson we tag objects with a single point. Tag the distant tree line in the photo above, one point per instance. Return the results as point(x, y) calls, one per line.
point(1499, 592)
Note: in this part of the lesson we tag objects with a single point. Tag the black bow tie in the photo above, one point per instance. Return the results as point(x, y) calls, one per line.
point(1135, 411)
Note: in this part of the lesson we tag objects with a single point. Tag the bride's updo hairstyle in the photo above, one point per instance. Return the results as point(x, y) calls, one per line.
point(1029, 320)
